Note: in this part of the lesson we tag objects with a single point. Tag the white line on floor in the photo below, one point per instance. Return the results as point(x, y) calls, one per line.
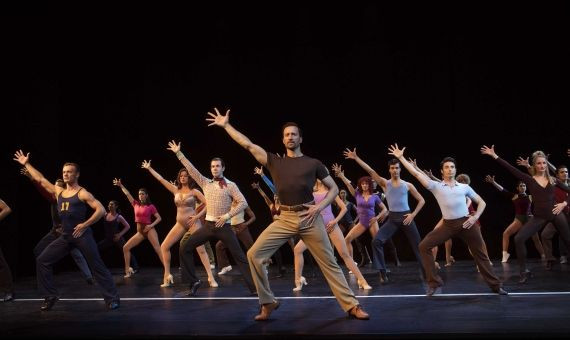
point(310, 297)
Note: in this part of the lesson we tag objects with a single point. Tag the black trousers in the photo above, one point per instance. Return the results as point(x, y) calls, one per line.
point(58, 249)
point(224, 234)
point(74, 252)
point(6, 282)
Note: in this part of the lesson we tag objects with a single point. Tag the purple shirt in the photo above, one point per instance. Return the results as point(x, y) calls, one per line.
point(326, 213)
point(365, 208)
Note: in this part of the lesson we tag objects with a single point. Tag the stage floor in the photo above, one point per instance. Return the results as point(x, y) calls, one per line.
point(464, 308)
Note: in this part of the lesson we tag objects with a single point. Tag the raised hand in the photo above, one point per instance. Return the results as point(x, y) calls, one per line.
point(218, 119)
point(145, 164)
point(485, 150)
point(414, 163)
point(258, 171)
point(21, 158)
point(117, 182)
point(350, 154)
point(523, 162)
point(172, 146)
point(25, 172)
point(490, 179)
point(337, 169)
point(255, 185)
point(395, 151)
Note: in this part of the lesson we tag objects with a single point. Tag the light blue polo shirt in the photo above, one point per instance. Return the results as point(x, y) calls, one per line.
point(451, 198)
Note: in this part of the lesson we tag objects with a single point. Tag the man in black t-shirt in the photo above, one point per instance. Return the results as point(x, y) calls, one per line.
point(294, 176)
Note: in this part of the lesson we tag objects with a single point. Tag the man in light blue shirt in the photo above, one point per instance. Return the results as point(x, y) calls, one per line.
point(451, 197)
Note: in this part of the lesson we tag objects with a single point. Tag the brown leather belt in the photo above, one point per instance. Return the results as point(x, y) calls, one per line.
point(298, 207)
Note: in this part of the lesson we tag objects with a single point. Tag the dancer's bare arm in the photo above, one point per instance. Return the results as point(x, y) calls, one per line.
point(223, 121)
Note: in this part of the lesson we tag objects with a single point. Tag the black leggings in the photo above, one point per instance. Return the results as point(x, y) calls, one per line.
point(533, 226)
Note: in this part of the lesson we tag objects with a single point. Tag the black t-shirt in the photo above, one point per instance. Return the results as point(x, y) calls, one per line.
point(295, 177)
point(542, 197)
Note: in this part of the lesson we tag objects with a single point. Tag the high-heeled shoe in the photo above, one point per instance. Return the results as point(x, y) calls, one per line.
point(212, 282)
point(450, 262)
point(130, 272)
point(168, 281)
point(505, 258)
point(363, 285)
point(299, 284)
point(384, 277)
point(525, 276)
point(437, 266)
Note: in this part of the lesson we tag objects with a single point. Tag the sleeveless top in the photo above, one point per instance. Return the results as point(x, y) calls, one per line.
point(111, 227)
point(397, 196)
point(71, 211)
point(326, 213)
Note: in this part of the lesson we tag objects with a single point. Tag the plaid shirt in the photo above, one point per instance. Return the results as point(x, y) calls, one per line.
point(218, 200)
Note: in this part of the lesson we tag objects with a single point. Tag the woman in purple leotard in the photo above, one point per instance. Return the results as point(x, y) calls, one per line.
point(365, 203)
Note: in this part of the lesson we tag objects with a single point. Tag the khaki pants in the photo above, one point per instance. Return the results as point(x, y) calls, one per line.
point(287, 224)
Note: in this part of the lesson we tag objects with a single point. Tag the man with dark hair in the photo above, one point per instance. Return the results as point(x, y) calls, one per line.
point(220, 193)
point(288, 124)
point(71, 204)
point(451, 197)
point(295, 175)
point(447, 160)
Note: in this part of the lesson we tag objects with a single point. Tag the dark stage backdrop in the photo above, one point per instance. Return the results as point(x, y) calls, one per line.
point(108, 91)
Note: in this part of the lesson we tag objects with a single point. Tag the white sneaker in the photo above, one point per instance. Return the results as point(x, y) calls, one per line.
point(225, 270)
point(505, 257)
point(563, 259)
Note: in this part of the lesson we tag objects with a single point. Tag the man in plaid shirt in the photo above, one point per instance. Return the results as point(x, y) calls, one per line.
point(219, 193)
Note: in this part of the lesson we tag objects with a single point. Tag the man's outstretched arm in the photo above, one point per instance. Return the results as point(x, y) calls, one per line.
point(224, 121)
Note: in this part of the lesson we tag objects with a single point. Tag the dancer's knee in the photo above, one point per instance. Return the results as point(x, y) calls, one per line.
point(519, 240)
point(424, 246)
point(378, 243)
